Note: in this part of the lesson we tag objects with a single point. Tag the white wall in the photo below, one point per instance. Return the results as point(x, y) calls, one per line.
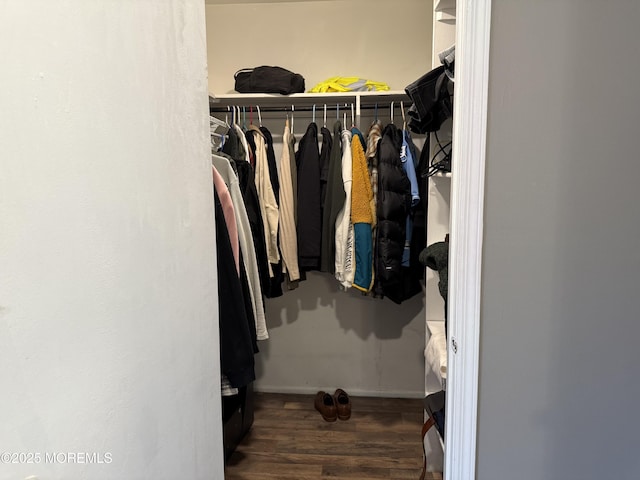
point(375, 39)
point(108, 323)
point(322, 338)
point(560, 326)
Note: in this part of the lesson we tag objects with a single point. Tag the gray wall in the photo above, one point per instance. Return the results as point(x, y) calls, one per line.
point(559, 388)
point(321, 338)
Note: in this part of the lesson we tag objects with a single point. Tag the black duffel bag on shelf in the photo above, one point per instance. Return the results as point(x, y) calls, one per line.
point(267, 79)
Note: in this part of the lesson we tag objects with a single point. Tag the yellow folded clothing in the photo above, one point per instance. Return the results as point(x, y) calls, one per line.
point(348, 84)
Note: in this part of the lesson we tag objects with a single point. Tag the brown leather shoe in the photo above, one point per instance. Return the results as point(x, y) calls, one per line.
point(325, 405)
point(343, 404)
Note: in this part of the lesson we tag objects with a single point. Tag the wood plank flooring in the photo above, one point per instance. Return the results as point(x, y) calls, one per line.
point(290, 440)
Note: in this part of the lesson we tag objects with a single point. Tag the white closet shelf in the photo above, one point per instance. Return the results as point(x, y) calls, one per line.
point(445, 11)
point(266, 99)
point(441, 5)
point(440, 175)
point(446, 16)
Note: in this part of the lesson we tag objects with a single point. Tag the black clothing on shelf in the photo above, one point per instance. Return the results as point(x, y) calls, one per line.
point(431, 101)
point(436, 257)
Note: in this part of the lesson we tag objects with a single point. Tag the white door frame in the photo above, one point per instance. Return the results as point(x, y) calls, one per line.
point(473, 22)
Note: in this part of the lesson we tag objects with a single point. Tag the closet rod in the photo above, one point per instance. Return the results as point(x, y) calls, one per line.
point(319, 108)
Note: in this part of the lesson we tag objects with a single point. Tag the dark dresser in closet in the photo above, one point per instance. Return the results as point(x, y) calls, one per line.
point(237, 418)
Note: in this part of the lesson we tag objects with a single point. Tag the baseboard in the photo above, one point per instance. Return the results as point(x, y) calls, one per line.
point(295, 390)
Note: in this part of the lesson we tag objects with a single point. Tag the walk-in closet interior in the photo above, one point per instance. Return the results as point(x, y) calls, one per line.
point(320, 332)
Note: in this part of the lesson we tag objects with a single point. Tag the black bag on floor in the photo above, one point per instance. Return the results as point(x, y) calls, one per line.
point(267, 79)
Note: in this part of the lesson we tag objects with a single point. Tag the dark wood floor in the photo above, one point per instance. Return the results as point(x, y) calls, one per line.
point(290, 440)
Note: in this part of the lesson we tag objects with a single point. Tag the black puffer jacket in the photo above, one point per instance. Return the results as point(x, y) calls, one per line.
point(393, 204)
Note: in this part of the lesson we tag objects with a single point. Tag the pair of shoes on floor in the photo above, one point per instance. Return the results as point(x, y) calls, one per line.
point(335, 406)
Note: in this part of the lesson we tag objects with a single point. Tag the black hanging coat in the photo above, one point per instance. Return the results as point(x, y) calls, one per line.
point(309, 206)
point(246, 179)
point(333, 202)
point(393, 204)
point(327, 144)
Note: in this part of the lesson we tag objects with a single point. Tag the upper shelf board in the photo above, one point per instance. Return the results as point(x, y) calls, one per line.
point(441, 5)
point(368, 98)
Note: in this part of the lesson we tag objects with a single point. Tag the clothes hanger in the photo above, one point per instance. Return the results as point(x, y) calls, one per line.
point(251, 125)
point(216, 122)
point(293, 108)
point(259, 115)
point(238, 116)
point(314, 114)
point(325, 116)
point(392, 105)
point(353, 118)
